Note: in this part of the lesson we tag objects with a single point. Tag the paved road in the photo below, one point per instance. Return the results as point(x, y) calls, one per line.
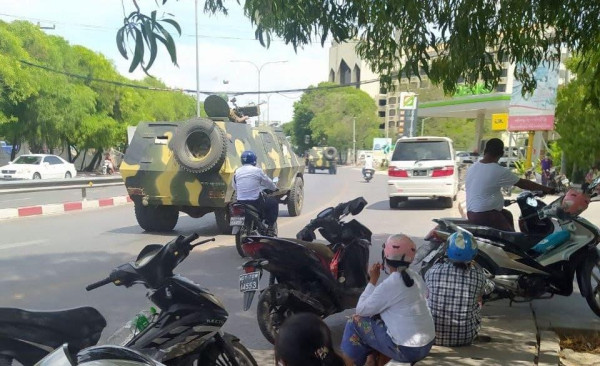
point(45, 262)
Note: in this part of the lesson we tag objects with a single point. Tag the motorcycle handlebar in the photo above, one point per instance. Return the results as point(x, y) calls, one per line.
point(100, 283)
point(190, 238)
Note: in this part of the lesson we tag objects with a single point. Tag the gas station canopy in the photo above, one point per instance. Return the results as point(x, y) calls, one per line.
point(466, 107)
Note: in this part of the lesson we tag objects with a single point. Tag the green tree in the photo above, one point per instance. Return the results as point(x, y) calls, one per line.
point(48, 109)
point(327, 116)
point(577, 118)
point(398, 37)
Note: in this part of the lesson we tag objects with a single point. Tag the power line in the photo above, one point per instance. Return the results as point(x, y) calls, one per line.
point(122, 84)
point(100, 28)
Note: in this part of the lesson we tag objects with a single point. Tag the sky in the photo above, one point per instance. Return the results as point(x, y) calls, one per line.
point(93, 24)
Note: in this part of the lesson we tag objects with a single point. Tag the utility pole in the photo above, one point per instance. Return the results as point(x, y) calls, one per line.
point(197, 66)
point(354, 139)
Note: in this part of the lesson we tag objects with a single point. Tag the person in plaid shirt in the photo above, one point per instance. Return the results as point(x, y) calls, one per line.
point(455, 290)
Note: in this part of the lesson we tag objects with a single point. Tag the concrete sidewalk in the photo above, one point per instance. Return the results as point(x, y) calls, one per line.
point(513, 341)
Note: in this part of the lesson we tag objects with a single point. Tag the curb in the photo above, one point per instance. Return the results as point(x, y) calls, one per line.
point(60, 208)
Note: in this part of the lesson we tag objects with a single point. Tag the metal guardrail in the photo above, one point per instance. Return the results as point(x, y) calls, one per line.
point(83, 183)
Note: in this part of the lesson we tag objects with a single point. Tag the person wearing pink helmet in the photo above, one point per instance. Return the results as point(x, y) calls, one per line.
point(392, 318)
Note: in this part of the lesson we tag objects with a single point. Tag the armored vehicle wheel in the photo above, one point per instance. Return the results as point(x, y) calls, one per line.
point(296, 197)
point(222, 218)
point(330, 153)
point(199, 145)
point(156, 218)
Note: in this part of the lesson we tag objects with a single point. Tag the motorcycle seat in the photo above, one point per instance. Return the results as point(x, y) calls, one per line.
point(322, 250)
point(455, 220)
point(23, 331)
point(519, 240)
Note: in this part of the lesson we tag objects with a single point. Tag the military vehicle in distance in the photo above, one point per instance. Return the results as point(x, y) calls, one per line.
point(322, 158)
point(173, 167)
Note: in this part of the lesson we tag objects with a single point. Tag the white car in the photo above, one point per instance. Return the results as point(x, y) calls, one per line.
point(423, 167)
point(38, 166)
point(465, 157)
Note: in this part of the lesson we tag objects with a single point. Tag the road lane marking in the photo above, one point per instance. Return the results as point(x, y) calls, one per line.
point(22, 244)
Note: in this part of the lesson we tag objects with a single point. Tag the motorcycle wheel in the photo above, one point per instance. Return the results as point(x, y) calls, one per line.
point(591, 278)
point(269, 315)
point(218, 357)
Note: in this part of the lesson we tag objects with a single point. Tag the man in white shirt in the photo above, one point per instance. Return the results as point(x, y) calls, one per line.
point(485, 179)
point(368, 164)
point(249, 181)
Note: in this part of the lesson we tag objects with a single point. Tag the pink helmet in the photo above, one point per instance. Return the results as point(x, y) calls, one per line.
point(575, 202)
point(400, 248)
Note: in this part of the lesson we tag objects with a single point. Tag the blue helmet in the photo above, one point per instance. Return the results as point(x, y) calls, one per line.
point(461, 247)
point(248, 157)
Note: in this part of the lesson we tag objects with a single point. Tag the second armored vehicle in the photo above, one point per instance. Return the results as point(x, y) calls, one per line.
point(322, 158)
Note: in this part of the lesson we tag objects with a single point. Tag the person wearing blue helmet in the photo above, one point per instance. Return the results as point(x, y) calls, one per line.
point(455, 292)
point(249, 181)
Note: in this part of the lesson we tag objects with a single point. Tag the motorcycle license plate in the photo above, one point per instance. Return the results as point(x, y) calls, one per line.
point(236, 221)
point(249, 281)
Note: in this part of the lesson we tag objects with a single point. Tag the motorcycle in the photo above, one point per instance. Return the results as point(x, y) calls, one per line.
point(558, 181)
point(187, 327)
point(306, 276)
point(97, 356)
point(246, 220)
point(107, 167)
point(536, 263)
point(368, 174)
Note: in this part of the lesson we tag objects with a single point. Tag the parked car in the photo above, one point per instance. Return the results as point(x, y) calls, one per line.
point(38, 166)
point(6, 147)
point(465, 157)
point(505, 160)
point(423, 167)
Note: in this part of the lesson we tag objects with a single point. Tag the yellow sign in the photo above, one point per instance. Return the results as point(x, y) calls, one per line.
point(499, 122)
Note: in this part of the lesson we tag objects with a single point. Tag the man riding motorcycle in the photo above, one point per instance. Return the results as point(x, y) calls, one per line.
point(483, 185)
point(248, 182)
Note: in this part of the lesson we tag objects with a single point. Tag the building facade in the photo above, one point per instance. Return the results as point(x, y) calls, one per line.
point(346, 67)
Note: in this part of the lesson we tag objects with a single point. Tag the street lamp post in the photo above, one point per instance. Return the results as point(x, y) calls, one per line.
point(423, 124)
point(354, 138)
point(258, 70)
point(197, 65)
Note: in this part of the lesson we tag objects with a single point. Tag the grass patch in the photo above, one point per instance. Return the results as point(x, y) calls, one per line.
point(580, 340)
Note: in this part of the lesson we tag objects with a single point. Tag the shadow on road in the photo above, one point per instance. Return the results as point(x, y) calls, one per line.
point(411, 204)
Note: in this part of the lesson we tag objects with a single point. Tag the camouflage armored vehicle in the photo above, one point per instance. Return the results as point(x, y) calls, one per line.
point(322, 158)
point(173, 167)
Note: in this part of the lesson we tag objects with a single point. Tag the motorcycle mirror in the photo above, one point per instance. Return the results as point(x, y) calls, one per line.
point(532, 202)
point(357, 205)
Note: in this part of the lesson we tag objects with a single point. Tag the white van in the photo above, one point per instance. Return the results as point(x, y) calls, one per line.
point(423, 167)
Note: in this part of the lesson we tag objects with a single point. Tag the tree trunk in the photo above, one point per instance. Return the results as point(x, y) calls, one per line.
point(83, 160)
point(94, 161)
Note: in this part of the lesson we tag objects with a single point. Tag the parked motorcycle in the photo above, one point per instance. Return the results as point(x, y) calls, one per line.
point(107, 167)
point(558, 181)
point(307, 276)
point(187, 327)
point(97, 356)
point(368, 174)
point(536, 263)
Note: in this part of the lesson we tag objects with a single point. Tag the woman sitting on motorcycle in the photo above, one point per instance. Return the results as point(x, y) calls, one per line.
point(391, 318)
